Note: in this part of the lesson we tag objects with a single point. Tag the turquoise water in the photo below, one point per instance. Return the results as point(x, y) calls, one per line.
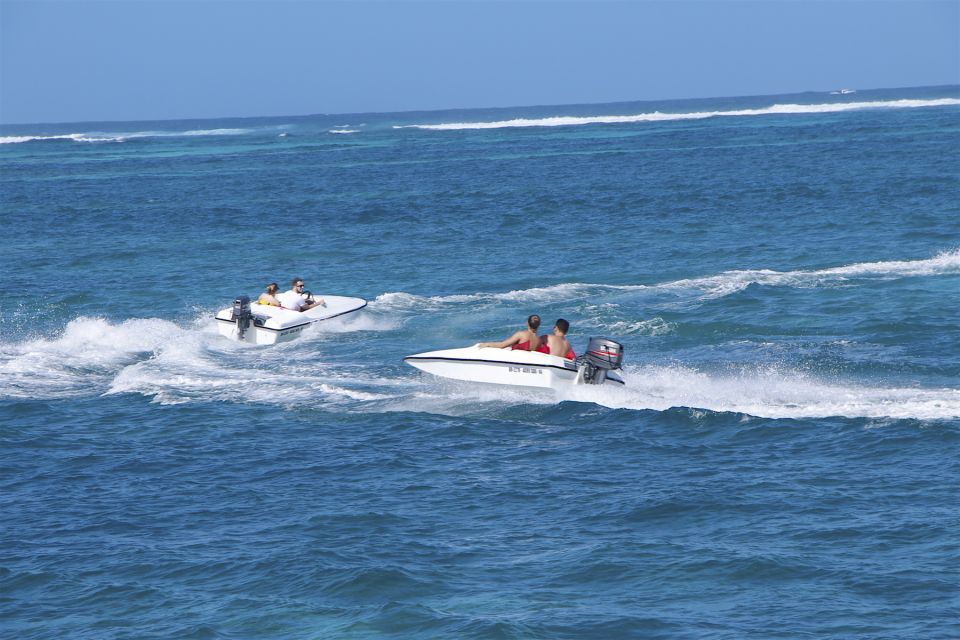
point(783, 462)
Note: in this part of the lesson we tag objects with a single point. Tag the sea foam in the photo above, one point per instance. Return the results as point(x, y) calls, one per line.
point(758, 391)
point(767, 392)
point(82, 359)
point(656, 116)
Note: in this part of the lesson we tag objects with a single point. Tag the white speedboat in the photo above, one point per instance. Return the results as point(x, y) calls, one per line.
point(601, 364)
point(266, 324)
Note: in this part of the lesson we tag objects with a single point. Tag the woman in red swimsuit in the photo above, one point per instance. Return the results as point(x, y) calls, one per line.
point(524, 340)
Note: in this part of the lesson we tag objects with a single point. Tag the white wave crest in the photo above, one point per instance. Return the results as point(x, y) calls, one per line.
point(652, 327)
point(768, 393)
point(656, 116)
point(715, 286)
point(210, 132)
point(729, 282)
point(122, 137)
point(402, 301)
point(343, 131)
point(75, 137)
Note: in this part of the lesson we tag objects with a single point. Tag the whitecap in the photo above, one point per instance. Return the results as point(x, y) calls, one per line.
point(74, 137)
point(100, 136)
point(656, 116)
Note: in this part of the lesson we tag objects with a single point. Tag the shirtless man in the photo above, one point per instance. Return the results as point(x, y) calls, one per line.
point(296, 299)
point(523, 340)
point(556, 344)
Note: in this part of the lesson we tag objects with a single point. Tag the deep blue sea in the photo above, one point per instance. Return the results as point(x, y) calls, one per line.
point(784, 461)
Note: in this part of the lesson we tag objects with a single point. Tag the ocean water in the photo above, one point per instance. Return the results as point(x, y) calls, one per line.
point(784, 461)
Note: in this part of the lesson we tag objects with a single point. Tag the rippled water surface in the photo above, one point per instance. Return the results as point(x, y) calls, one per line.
point(783, 462)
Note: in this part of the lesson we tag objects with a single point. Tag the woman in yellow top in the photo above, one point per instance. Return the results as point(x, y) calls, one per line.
point(270, 295)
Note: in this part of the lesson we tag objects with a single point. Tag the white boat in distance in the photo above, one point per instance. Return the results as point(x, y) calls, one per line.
point(266, 324)
point(600, 365)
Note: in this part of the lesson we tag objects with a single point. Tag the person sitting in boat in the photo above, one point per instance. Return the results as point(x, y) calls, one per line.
point(523, 340)
point(269, 297)
point(556, 344)
point(296, 299)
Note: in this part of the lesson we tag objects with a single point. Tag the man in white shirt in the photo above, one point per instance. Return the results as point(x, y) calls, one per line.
point(296, 299)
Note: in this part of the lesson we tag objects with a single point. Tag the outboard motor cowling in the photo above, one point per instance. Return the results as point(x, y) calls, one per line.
point(241, 315)
point(603, 354)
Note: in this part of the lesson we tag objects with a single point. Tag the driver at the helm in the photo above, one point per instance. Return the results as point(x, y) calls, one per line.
point(298, 300)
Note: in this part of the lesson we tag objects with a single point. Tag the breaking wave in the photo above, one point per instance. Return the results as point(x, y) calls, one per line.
point(97, 136)
point(656, 116)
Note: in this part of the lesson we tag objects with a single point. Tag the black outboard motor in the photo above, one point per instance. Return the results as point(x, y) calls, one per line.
point(603, 354)
point(241, 315)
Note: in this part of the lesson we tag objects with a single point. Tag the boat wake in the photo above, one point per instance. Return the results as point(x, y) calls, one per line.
point(77, 362)
point(705, 288)
point(769, 392)
point(355, 363)
point(172, 365)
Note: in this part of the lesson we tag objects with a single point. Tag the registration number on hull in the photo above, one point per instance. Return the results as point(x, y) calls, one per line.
point(534, 370)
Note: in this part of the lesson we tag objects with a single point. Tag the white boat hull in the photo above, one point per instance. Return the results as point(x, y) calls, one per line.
point(504, 366)
point(271, 325)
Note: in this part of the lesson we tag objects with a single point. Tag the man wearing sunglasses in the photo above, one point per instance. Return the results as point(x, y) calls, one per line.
point(296, 299)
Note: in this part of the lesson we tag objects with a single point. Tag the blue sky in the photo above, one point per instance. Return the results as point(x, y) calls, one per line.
point(77, 60)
